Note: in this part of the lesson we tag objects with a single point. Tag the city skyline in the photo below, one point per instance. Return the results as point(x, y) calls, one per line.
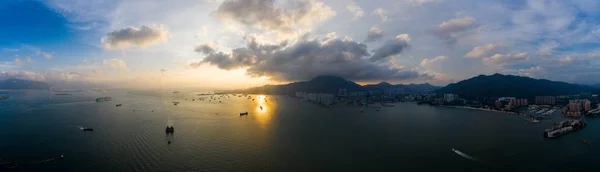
point(237, 44)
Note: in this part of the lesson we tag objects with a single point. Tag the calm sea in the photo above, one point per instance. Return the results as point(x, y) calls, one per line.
point(287, 134)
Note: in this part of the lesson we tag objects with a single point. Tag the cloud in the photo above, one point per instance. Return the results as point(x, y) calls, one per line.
point(19, 62)
point(374, 34)
point(116, 64)
point(26, 75)
point(266, 15)
point(355, 9)
point(307, 59)
point(483, 50)
point(499, 59)
point(46, 55)
point(421, 2)
point(207, 48)
point(381, 13)
point(452, 30)
point(29, 60)
point(547, 47)
point(593, 54)
point(392, 47)
point(426, 62)
point(132, 36)
point(531, 72)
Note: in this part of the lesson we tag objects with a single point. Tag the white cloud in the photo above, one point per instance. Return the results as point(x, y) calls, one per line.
point(452, 30)
point(421, 2)
point(29, 60)
point(26, 75)
point(546, 48)
point(143, 36)
point(483, 50)
point(500, 59)
point(46, 55)
point(355, 9)
point(383, 14)
point(374, 34)
point(19, 62)
point(593, 54)
point(426, 61)
point(116, 64)
point(266, 15)
point(531, 72)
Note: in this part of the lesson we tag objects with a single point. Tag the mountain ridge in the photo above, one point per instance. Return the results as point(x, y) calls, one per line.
point(498, 85)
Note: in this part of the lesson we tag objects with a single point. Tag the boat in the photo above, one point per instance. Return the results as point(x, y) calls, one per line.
point(175, 103)
point(175, 92)
point(102, 99)
point(261, 108)
point(4, 98)
point(118, 105)
point(585, 142)
point(62, 94)
point(564, 127)
point(170, 129)
point(243, 113)
point(87, 129)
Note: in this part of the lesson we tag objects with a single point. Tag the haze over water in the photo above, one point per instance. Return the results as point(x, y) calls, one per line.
point(288, 134)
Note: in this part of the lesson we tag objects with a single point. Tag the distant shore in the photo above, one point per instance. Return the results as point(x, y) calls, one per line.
point(482, 109)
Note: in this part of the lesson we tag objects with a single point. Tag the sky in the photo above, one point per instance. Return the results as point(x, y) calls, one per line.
point(231, 44)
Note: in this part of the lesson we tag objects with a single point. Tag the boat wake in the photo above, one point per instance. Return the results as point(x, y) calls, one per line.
point(465, 155)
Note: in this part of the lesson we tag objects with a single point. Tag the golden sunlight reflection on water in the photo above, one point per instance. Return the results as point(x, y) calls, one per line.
point(263, 110)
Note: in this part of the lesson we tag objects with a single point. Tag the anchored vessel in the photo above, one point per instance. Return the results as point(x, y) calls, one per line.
point(564, 127)
point(102, 99)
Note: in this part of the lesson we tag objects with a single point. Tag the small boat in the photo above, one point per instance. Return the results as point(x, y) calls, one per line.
point(87, 129)
point(118, 105)
point(243, 113)
point(170, 129)
point(585, 142)
point(261, 108)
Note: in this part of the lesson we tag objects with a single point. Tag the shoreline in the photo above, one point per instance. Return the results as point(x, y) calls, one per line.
point(481, 109)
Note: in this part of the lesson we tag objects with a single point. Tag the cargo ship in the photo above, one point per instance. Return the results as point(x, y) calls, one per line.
point(564, 127)
point(102, 99)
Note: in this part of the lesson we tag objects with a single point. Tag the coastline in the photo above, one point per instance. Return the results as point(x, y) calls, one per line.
point(482, 109)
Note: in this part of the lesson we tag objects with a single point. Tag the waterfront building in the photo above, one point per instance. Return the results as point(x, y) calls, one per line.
point(545, 100)
point(450, 97)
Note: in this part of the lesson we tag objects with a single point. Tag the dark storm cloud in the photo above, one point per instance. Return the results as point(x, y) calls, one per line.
point(392, 47)
point(307, 59)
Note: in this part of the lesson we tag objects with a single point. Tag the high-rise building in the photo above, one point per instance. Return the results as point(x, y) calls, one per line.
point(587, 106)
point(498, 104)
point(450, 97)
point(545, 100)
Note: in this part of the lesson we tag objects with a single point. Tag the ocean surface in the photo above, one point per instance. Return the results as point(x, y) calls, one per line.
point(287, 134)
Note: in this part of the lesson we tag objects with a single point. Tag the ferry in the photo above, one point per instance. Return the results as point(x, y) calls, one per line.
point(102, 99)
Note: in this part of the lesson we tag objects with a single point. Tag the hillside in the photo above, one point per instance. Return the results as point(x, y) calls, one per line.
point(412, 88)
point(499, 85)
point(320, 84)
point(22, 84)
point(331, 84)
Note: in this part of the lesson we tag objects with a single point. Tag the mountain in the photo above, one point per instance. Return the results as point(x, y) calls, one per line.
point(596, 85)
point(499, 85)
point(331, 84)
point(320, 84)
point(22, 84)
point(412, 88)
